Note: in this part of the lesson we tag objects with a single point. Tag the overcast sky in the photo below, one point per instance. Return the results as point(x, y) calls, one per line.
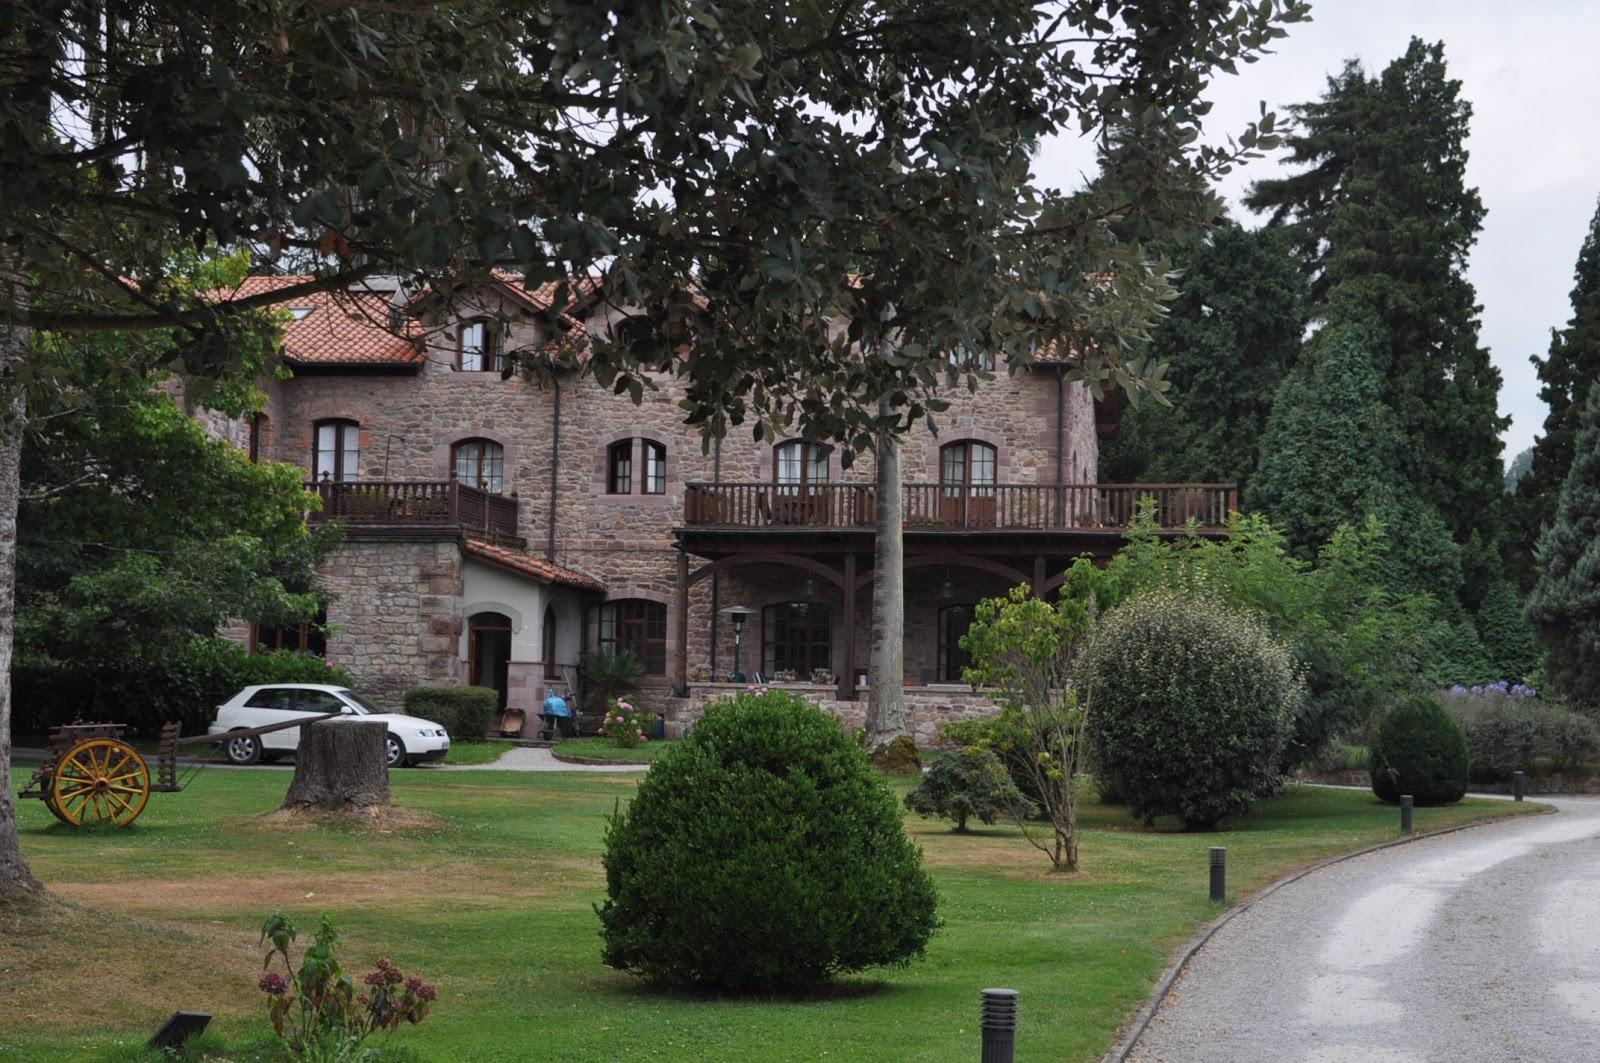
point(1531, 69)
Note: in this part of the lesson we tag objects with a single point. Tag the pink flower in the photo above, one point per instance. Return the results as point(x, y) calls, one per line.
point(752, 686)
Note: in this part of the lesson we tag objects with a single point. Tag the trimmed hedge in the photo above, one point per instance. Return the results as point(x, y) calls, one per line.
point(145, 692)
point(762, 853)
point(1417, 749)
point(1506, 734)
point(465, 712)
point(1190, 707)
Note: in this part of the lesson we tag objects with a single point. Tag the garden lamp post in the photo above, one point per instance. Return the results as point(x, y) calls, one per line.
point(738, 614)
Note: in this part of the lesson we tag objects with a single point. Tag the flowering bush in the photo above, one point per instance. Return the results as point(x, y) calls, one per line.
point(317, 1011)
point(1508, 726)
point(625, 724)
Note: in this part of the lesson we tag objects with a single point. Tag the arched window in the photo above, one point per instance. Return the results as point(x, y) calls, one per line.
point(547, 635)
point(639, 626)
point(653, 477)
point(796, 637)
point(798, 464)
point(967, 467)
point(479, 349)
point(338, 451)
point(479, 463)
point(619, 467)
point(953, 623)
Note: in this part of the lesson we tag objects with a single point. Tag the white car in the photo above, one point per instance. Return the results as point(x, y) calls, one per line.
point(410, 740)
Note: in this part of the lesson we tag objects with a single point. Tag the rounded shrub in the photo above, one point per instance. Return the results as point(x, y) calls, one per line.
point(1189, 708)
point(465, 712)
point(759, 853)
point(968, 784)
point(1416, 748)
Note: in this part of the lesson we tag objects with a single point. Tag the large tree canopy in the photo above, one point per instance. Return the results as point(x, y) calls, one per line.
point(739, 173)
point(1386, 221)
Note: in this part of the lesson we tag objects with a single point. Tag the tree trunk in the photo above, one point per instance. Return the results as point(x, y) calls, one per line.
point(340, 767)
point(15, 878)
point(886, 701)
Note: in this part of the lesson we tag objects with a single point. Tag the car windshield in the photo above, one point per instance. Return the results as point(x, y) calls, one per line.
point(363, 707)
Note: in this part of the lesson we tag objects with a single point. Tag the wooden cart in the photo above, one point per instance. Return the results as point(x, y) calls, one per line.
point(91, 775)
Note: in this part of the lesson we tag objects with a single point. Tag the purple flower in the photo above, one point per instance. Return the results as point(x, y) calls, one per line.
point(274, 983)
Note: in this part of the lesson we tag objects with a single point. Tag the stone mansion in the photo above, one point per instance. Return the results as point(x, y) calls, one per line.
point(495, 529)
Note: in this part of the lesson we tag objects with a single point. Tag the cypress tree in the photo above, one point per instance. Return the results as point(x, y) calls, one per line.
point(1386, 221)
point(1565, 374)
point(1564, 606)
point(1507, 638)
point(1229, 338)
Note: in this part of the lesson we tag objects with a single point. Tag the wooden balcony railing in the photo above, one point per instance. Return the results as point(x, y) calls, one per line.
point(1024, 507)
point(401, 502)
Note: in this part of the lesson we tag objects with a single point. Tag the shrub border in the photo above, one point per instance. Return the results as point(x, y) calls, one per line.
point(1147, 1011)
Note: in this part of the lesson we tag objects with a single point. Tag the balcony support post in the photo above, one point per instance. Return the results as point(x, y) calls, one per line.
point(1038, 576)
point(847, 677)
point(680, 608)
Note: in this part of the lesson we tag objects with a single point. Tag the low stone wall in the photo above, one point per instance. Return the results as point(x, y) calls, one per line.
point(930, 708)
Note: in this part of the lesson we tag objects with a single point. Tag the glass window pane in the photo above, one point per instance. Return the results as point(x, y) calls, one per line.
point(327, 450)
point(982, 459)
point(620, 461)
point(472, 346)
point(655, 469)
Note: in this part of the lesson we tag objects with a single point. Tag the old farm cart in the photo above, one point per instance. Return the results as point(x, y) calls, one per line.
point(91, 775)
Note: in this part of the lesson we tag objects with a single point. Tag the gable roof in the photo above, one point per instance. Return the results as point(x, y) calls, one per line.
point(343, 328)
point(525, 564)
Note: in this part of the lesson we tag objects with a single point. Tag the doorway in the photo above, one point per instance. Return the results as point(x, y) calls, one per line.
point(489, 652)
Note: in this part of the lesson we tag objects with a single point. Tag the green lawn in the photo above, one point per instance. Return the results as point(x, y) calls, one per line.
point(478, 752)
point(494, 903)
point(605, 749)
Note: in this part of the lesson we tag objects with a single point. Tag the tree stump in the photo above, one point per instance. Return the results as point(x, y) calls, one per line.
point(340, 767)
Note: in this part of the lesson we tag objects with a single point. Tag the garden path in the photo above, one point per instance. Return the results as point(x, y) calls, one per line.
point(1479, 945)
point(536, 758)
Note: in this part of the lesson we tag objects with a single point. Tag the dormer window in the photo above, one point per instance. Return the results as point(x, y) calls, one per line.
point(479, 350)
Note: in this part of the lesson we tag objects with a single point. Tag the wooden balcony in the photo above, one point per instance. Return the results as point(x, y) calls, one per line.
point(939, 507)
point(446, 505)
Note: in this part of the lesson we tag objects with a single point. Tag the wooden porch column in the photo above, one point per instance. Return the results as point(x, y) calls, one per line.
point(847, 679)
point(1038, 576)
point(680, 605)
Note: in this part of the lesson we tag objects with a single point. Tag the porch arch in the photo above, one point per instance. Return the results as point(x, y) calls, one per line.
point(982, 564)
point(775, 557)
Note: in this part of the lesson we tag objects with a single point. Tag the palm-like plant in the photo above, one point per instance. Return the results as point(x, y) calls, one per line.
point(607, 675)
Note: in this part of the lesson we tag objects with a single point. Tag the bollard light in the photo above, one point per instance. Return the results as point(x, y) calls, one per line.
point(1219, 874)
point(1406, 805)
point(1518, 782)
point(999, 1023)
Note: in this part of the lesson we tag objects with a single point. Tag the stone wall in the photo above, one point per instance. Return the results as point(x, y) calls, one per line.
point(929, 708)
point(395, 615)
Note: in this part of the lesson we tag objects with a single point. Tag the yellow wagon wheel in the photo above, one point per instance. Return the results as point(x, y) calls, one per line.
point(99, 780)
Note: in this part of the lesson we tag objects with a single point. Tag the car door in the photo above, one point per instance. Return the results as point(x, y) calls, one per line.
point(268, 706)
point(315, 703)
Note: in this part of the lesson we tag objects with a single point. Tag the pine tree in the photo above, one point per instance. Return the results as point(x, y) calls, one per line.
point(1565, 604)
point(1565, 374)
point(1386, 222)
point(1506, 635)
point(1229, 338)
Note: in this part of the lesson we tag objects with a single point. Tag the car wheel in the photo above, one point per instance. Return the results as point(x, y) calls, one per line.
point(242, 751)
point(394, 752)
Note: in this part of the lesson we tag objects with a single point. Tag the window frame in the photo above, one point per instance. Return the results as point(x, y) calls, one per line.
point(344, 430)
point(811, 640)
point(652, 467)
point(490, 353)
point(636, 624)
point(967, 486)
point(813, 460)
point(619, 467)
point(480, 480)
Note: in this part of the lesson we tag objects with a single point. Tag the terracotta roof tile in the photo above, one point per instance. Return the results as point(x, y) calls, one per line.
point(525, 563)
point(342, 328)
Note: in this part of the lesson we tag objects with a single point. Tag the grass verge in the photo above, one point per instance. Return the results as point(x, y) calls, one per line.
point(594, 748)
point(493, 902)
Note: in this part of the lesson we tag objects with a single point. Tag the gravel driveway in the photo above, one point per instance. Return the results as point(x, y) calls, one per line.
point(1480, 945)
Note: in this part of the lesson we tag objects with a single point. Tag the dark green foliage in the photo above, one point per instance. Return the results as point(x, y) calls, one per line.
point(1416, 748)
point(185, 682)
point(1566, 373)
point(465, 712)
point(762, 853)
point(965, 784)
point(1509, 731)
point(606, 676)
point(1009, 737)
point(1190, 707)
point(1507, 636)
point(1564, 606)
point(1385, 221)
point(1229, 337)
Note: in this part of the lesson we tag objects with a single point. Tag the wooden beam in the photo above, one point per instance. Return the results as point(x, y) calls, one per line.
point(680, 604)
